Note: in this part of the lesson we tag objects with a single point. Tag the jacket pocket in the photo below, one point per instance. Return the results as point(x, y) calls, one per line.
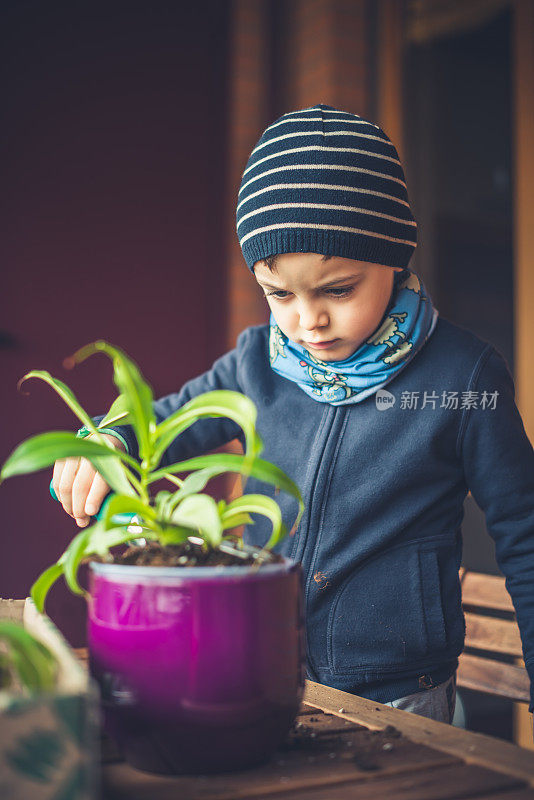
point(388, 612)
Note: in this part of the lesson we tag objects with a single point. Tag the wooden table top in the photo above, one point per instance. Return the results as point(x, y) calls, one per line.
point(342, 746)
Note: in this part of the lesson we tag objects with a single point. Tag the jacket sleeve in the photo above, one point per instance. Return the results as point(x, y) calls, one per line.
point(498, 464)
point(204, 435)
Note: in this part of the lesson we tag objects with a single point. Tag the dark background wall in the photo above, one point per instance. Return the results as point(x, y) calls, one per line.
point(459, 126)
point(112, 145)
point(458, 119)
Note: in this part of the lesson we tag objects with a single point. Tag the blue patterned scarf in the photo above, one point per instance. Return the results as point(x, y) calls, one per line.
point(408, 322)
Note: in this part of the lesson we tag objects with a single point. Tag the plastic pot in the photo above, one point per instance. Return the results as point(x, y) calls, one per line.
point(201, 669)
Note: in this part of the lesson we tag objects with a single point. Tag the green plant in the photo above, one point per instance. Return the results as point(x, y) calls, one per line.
point(25, 658)
point(170, 517)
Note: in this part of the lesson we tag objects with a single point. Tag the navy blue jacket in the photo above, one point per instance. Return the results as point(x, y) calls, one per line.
point(380, 542)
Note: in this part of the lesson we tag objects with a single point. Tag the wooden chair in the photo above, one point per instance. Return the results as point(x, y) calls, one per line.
point(494, 635)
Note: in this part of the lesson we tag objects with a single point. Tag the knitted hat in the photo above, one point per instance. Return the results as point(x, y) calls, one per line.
point(321, 180)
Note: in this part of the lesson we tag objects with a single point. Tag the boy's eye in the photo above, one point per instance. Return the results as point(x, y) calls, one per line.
point(334, 291)
point(344, 290)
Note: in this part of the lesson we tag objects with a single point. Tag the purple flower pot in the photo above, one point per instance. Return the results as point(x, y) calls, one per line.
point(201, 669)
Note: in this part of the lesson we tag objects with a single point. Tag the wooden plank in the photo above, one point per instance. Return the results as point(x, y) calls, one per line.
point(474, 748)
point(522, 127)
point(441, 783)
point(386, 751)
point(302, 763)
point(485, 591)
point(306, 710)
point(493, 677)
point(491, 633)
point(322, 724)
point(460, 783)
point(523, 183)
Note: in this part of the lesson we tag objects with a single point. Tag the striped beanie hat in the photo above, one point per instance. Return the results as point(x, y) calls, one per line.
point(321, 180)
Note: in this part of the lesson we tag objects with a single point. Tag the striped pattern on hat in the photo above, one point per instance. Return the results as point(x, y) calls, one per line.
point(321, 180)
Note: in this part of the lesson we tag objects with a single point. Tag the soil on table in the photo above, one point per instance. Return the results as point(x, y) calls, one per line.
point(367, 749)
point(189, 554)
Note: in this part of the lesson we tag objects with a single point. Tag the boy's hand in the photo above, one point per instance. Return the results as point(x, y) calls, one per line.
point(79, 487)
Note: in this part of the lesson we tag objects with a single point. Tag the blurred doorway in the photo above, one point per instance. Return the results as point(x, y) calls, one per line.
point(458, 139)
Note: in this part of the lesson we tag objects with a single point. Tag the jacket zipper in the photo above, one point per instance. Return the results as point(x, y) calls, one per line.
point(332, 411)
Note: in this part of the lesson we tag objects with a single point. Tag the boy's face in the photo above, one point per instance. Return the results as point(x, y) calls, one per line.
point(308, 309)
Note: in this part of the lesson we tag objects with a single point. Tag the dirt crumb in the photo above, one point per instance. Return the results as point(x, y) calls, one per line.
point(191, 554)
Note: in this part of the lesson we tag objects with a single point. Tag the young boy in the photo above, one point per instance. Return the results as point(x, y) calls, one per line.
point(385, 415)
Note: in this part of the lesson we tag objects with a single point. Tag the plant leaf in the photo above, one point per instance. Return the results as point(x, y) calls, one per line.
point(233, 462)
point(44, 449)
point(64, 392)
point(160, 503)
point(200, 512)
point(74, 554)
point(114, 474)
point(234, 520)
point(71, 400)
point(219, 403)
point(259, 504)
point(118, 414)
point(44, 583)
point(124, 504)
point(193, 484)
point(174, 534)
point(96, 540)
point(34, 663)
point(101, 540)
point(137, 393)
point(172, 479)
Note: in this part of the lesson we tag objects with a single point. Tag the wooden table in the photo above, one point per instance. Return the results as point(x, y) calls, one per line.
point(341, 747)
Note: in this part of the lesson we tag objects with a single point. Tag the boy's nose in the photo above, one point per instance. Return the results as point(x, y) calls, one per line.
point(312, 317)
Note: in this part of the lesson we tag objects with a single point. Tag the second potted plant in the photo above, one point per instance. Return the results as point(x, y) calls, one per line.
point(197, 640)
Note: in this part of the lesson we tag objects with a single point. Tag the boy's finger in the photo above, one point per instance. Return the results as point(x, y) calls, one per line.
point(56, 475)
point(65, 484)
point(80, 488)
point(97, 492)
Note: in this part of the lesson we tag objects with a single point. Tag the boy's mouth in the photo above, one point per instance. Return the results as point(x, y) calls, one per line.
point(323, 344)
